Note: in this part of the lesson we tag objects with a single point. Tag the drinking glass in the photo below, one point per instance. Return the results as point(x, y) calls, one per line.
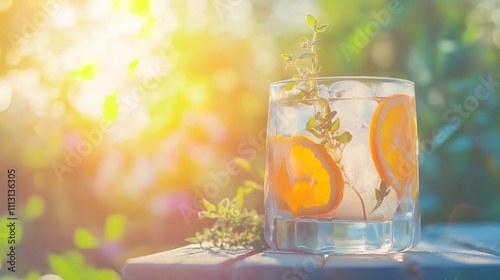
point(342, 166)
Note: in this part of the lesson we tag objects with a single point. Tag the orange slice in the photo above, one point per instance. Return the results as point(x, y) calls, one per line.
point(304, 176)
point(393, 137)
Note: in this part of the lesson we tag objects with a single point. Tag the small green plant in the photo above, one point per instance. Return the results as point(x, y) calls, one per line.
point(235, 225)
point(324, 124)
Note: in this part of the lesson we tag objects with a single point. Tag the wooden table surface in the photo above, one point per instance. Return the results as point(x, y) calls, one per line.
point(448, 252)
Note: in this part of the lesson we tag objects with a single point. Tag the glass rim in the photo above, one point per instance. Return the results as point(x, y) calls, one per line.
point(351, 78)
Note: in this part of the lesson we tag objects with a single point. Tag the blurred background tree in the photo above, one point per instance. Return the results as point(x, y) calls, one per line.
point(119, 115)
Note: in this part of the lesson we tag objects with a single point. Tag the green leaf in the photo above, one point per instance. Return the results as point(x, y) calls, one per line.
point(226, 202)
point(344, 138)
point(322, 102)
point(315, 132)
point(33, 275)
point(115, 227)
point(132, 66)
point(321, 28)
point(148, 24)
point(209, 206)
point(304, 55)
point(106, 274)
point(311, 21)
point(110, 108)
point(243, 163)
point(192, 240)
point(35, 207)
point(330, 115)
point(222, 207)
point(252, 184)
point(62, 267)
point(206, 214)
point(247, 189)
point(311, 122)
point(84, 239)
point(383, 187)
point(240, 198)
point(335, 125)
point(141, 8)
point(304, 93)
point(86, 72)
point(286, 57)
point(289, 86)
point(378, 196)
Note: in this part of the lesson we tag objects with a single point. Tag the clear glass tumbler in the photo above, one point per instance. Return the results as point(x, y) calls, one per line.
point(342, 166)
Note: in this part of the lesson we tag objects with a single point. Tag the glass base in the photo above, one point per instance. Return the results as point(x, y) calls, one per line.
point(344, 236)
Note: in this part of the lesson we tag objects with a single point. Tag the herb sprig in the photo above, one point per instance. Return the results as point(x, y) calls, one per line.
point(235, 225)
point(324, 124)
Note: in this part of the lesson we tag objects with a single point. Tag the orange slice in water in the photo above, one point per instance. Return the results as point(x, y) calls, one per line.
point(304, 176)
point(393, 137)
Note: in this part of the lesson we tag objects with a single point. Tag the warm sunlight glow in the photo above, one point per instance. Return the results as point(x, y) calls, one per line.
point(5, 5)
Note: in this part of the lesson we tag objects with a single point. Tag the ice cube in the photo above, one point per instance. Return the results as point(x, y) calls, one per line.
point(355, 116)
point(354, 107)
point(280, 95)
point(350, 89)
point(288, 120)
point(359, 168)
point(387, 89)
point(324, 91)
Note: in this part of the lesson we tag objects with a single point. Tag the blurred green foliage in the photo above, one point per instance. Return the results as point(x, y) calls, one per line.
point(206, 103)
point(71, 265)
